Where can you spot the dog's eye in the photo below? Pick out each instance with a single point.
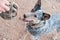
(35, 15)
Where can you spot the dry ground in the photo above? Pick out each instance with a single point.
(15, 30)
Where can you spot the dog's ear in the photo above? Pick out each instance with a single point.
(36, 7)
(45, 16)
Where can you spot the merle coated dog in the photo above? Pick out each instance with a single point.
(39, 23)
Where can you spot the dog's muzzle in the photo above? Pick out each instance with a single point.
(33, 23)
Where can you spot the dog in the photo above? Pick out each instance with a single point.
(38, 23)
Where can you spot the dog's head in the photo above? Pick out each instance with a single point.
(35, 18)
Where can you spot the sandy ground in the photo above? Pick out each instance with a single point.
(15, 29)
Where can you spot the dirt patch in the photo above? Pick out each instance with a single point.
(15, 29)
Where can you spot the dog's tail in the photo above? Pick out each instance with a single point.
(37, 6)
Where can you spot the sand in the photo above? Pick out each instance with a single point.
(15, 29)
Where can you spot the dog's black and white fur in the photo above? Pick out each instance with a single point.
(46, 23)
(44, 26)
